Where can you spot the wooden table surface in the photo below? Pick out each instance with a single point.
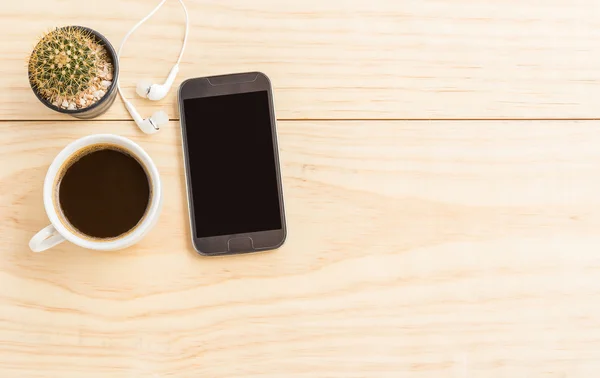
(439, 160)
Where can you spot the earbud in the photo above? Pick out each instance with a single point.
(148, 125)
(143, 88)
(156, 92)
(148, 90)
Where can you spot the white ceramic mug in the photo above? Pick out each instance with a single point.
(57, 231)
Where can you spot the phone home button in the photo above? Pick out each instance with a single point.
(243, 244)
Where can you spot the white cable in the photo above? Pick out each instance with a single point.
(138, 25)
(187, 28)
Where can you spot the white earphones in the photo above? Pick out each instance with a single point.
(146, 89)
(157, 92)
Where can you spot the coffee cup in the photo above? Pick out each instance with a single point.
(101, 192)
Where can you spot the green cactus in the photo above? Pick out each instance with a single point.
(64, 62)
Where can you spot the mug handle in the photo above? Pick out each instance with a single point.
(46, 238)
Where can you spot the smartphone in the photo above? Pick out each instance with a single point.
(234, 189)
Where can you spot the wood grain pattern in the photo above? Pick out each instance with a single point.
(344, 59)
(415, 249)
(420, 249)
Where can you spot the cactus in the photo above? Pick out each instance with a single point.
(64, 63)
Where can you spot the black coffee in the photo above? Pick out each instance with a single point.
(104, 193)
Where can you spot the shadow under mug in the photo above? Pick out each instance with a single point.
(58, 231)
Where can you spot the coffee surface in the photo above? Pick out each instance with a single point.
(104, 193)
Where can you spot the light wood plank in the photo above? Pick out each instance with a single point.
(422, 59)
(415, 249)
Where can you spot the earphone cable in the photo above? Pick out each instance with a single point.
(187, 28)
(138, 25)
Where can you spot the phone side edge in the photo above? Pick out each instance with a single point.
(184, 149)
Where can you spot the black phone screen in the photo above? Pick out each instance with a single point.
(231, 161)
